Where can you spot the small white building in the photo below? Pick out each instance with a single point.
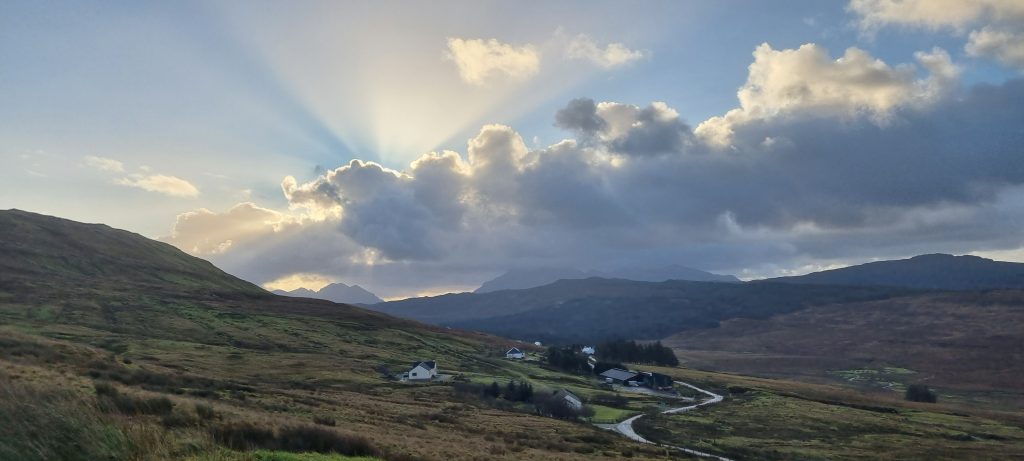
(422, 371)
(515, 353)
(588, 350)
(571, 400)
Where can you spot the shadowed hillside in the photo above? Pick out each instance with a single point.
(933, 272)
(595, 309)
(964, 340)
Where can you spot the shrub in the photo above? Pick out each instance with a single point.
(244, 436)
(920, 393)
(105, 389)
(134, 405)
(296, 438)
(38, 425)
(614, 401)
(205, 412)
(324, 420)
(179, 419)
(322, 440)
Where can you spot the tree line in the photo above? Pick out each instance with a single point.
(630, 351)
(513, 391)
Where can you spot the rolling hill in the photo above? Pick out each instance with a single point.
(964, 340)
(37, 249)
(595, 309)
(138, 347)
(535, 277)
(932, 272)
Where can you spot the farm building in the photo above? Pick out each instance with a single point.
(620, 376)
(422, 371)
(570, 399)
(515, 353)
(656, 381)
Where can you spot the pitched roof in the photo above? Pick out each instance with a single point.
(428, 365)
(563, 393)
(618, 374)
(514, 350)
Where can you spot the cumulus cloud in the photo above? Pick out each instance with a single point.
(611, 55)
(1005, 46)
(481, 61)
(104, 164)
(996, 26)
(807, 81)
(831, 159)
(379, 208)
(625, 128)
(204, 232)
(168, 185)
(934, 14)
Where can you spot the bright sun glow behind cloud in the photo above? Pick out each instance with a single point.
(369, 101)
(301, 280)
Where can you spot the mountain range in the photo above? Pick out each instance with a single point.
(519, 279)
(931, 271)
(336, 292)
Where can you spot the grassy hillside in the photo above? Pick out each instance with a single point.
(971, 342)
(595, 309)
(152, 354)
(38, 249)
(771, 419)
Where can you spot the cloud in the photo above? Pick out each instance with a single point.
(482, 61)
(104, 164)
(203, 232)
(626, 129)
(300, 280)
(1004, 46)
(610, 56)
(379, 208)
(996, 26)
(956, 15)
(833, 161)
(807, 81)
(168, 185)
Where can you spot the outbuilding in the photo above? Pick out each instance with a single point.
(422, 371)
(620, 376)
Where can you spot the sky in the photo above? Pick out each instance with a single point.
(418, 148)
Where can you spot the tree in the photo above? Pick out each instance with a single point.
(511, 391)
(920, 393)
(493, 391)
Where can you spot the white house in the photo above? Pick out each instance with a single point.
(570, 399)
(515, 353)
(422, 371)
(588, 350)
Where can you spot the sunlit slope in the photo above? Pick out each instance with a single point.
(36, 250)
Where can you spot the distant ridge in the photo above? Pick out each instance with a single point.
(336, 292)
(519, 279)
(931, 272)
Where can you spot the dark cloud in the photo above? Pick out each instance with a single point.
(580, 115)
(789, 192)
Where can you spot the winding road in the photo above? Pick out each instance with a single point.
(626, 427)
